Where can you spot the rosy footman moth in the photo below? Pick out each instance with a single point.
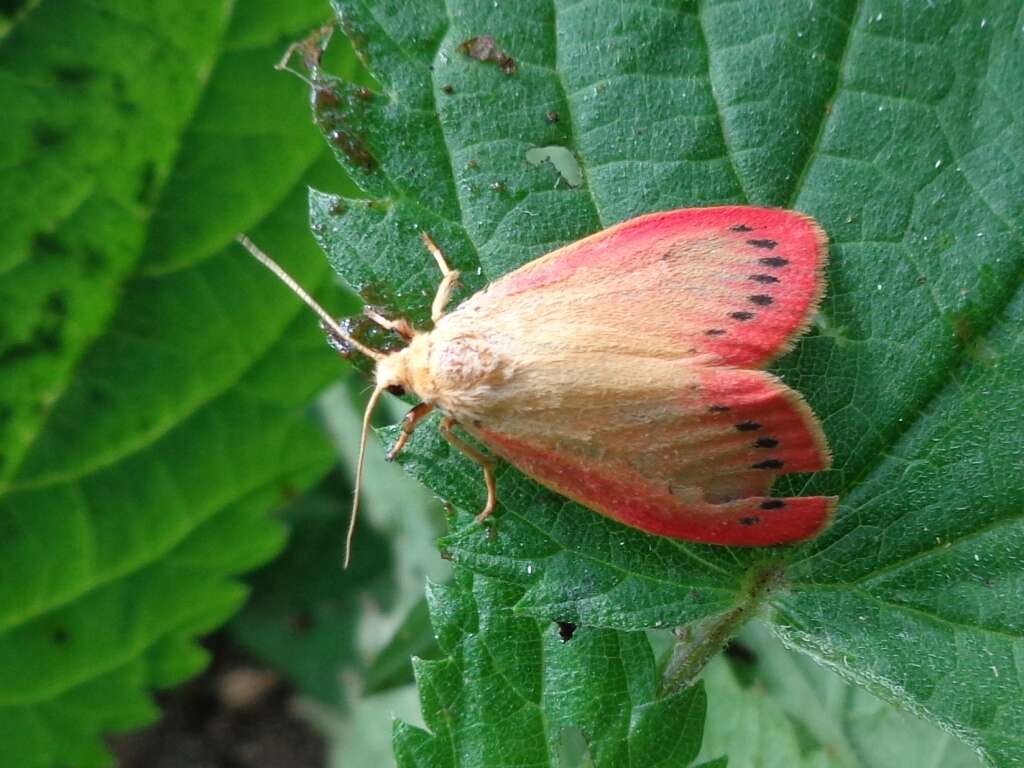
(624, 371)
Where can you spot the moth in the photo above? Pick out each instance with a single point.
(625, 372)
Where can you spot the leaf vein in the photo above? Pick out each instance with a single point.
(827, 103)
(723, 128)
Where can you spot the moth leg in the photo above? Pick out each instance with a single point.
(399, 325)
(449, 277)
(415, 415)
(472, 453)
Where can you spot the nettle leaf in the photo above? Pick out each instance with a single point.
(898, 126)
(800, 714)
(517, 691)
(155, 381)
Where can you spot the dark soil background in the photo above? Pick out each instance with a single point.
(235, 715)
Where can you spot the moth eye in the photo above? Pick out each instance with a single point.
(397, 390)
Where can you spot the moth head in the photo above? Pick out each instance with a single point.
(392, 372)
(408, 369)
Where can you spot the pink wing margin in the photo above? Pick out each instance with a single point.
(746, 280)
(754, 429)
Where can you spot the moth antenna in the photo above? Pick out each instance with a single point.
(359, 470)
(329, 322)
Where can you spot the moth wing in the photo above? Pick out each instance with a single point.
(631, 372)
(737, 283)
(681, 451)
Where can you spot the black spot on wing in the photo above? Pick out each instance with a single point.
(764, 279)
(773, 504)
(768, 464)
(752, 520)
(740, 228)
(744, 315)
(766, 442)
(714, 332)
(748, 426)
(761, 299)
(718, 408)
(774, 261)
(766, 244)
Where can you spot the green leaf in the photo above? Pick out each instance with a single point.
(795, 713)
(155, 381)
(512, 689)
(897, 125)
(300, 617)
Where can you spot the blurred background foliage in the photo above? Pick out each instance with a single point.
(159, 396)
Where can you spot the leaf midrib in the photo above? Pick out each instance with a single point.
(826, 114)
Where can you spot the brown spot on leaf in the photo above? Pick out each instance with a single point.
(324, 98)
(483, 48)
(340, 110)
(566, 629)
(352, 146)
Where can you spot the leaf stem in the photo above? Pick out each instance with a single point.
(698, 643)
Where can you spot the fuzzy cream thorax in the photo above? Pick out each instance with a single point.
(454, 368)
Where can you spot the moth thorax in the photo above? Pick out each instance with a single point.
(464, 362)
